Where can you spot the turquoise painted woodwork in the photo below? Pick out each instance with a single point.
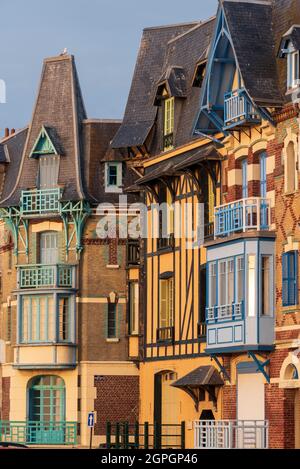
(39, 276)
(43, 145)
(40, 201)
(39, 433)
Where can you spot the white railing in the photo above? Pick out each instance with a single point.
(230, 312)
(252, 213)
(238, 107)
(231, 434)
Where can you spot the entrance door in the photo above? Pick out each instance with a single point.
(166, 409)
(250, 432)
(46, 410)
(48, 248)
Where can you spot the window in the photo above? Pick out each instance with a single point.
(226, 282)
(48, 171)
(266, 292)
(111, 321)
(44, 320)
(133, 308)
(289, 278)
(8, 323)
(165, 217)
(199, 74)
(113, 177)
(49, 247)
(290, 168)
(37, 319)
(213, 284)
(168, 123)
(166, 308)
(293, 73)
(240, 279)
(263, 175)
(251, 285)
(64, 319)
(244, 178)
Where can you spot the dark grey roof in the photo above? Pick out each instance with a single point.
(174, 80)
(165, 169)
(140, 113)
(14, 147)
(251, 29)
(3, 158)
(54, 137)
(208, 152)
(202, 376)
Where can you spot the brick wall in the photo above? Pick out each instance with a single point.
(280, 414)
(5, 408)
(229, 410)
(117, 400)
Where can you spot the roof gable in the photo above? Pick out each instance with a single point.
(45, 144)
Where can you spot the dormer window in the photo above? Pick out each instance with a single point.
(48, 171)
(113, 176)
(293, 72)
(199, 74)
(168, 123)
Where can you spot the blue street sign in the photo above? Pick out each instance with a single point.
(91, 420)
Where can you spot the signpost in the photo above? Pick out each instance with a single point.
(91, 424)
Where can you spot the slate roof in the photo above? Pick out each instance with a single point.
(14, 148)
(208, 152)
(140, 113)
(251, 30)
(202, 376)
(174, 80)
(60, 108)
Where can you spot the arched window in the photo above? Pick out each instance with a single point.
(290, 169)
(46, 399)
(291, 372)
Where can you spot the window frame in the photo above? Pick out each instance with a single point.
(133, 316)
(169, 299)
(288, 278)
(119, 176)
(48, 171)
(293, 67)
(113, 307)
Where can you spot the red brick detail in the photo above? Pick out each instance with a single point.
(279, 404)
(117, 400)
(253, 158)
(254, 188)
(234, 193)
(229, 411)
(113, 251)
(5, 408)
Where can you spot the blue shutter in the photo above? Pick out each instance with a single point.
(245, 178)
(290, 278)
(263, 175)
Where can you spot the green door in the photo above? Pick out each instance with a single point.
(46, 410)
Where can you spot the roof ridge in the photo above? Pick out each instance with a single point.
(202, 23)
(6, 139)
(258, 2)
(174, 25)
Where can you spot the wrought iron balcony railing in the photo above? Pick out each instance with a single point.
(238, 110)
(242, 215)
(231, 434)
(168, 142)
(231, 312)
(41, 276)
(39, 433)
(40, 201)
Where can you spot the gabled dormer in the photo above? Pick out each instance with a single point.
(289, 49)
(170, 88)
(240, 83)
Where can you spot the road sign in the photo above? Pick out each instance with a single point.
(91, 420)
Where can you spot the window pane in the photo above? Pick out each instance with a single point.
(213, 284)
(64, 319)
(266, 291)
(240, 279)
(48, 171)
(222, 283)
(111, 321)
(134, 307)
(251, 285)
(230, 269)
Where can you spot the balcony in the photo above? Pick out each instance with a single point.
(40, 201)
(46, 276)
(133, 252)
(168, 142)
(238, 110)
(47, 356)
(242, 215)
(231, 434)
(39, 433)
(232, 312)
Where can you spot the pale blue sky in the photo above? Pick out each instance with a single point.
(103, 35)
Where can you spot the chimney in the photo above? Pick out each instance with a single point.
(13, 131)
(6, 133)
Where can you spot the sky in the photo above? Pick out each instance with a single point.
(103, 35)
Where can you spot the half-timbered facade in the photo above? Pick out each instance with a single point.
(68, 347)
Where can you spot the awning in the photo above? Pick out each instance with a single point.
(167, 170)
(204, 377)
(206, 153)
